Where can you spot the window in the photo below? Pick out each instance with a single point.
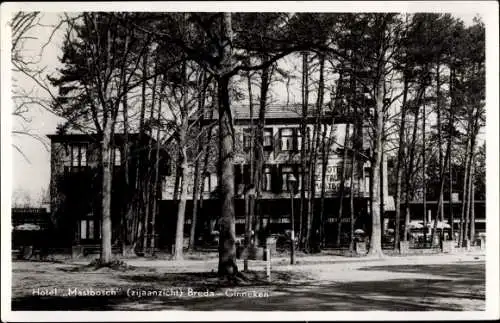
(247, 138)
(86, 229)
(213, 181)
(83, 229)
(286, 139)
(338, 173)
(76, 155)
(299, 178)
(268, 138)
(209, 182)
(266, 180)
(367, 178)
(117, 157)
(299, 140)
(206, 183)
(286, 174)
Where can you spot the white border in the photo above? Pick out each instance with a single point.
(489, 12)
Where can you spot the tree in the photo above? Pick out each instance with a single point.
(305, 142)
(96, 76)
(381, 45)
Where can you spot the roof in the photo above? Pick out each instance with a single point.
(274, 111)
(282, 113)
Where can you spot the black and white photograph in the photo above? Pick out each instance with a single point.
(250, 160)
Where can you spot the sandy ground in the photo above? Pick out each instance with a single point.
(320, 282)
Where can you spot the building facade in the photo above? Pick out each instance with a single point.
(282, 147)
(76, 183)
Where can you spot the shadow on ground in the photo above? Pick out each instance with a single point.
(464, 290)
(467, 270)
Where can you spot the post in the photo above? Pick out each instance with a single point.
(249, 195)
(291, 187)
(247, 235)
(268, 264)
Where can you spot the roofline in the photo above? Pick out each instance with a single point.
(90, 136)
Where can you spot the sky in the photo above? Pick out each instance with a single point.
(31, 172)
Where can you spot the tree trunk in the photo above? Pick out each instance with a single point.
(451, 219)
(382, 179)
(183, 133)
(259, 151)
(145, 226)
(181, 210)
(326, 156)
(376, 235)
(351, 201)
(197, 175)
(249, 204)
(204, 172)
(410, 174)
(305, 142)
(156, 182)
(150, 189)
(450, 170)
(437, 217)
(472, 214)
(316, 222)
(128, 237)
(313, 158)
(342, 184)
(143, 171)
(106, 162)
(248, 200)
(196, 193)
(464, 194)
(424, 168)
(324, 162)
(410, 170)
(440, 137)
(399, 166)
(227, 240)
(310, 197)
(178, 175)
(469, 189)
